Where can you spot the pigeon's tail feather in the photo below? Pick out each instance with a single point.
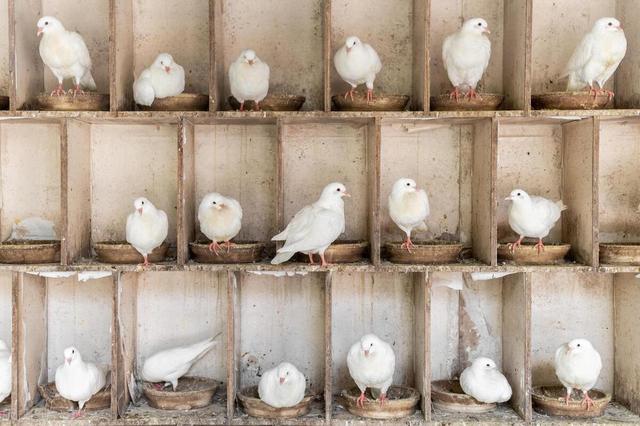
(422, 227)
(561, 205)
(87, 81)
(282, 257)
(574, 84)
(280, 237)
(201, 348)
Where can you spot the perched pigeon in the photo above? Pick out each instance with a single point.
(532, 216)
(282, 386)
(597, 57)
(578, 366)
(162, 79)
(357, 63)
(5, 371)
(371, 364)
(171, 364)
(483, 381)
(147, 227)
(220, 219)
(66, 55)
(408, 208)
(315, 227)
(465, 55)
(249, 79)
(77, 380)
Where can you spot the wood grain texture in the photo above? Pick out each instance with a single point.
(421, 350)
(122, 55)
(327, 54)
(27, 69)
(421, 17)
(627, 341)
(123, 340)
(233, 341)
(328, 346)
(514, 59)
(186, 220)
(374, 144)
(483, 189)
(627, 77)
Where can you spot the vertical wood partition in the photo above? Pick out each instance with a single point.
(627, 341)
(186, 189)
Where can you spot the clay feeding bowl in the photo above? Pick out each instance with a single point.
(620, 253)
(484, 102)
(4, 102)
(527, 254)
(341, 252)
(53, 400)
(447, 395)
(427, 252)
(379, 102)
(90, 101)
(271, 103)
(29, 252)
(124, 253)
(402, 402)
(191, 393)
(253, 406)
(549, 400)
(239, 252)
(181, 102)
(569, 100)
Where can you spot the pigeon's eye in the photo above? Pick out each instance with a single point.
(578, 344)
(47, 23)
(408, 184)
(479, 24)
(610, 23)
(518, 194)
(214, 203)
(142, 202)
(338, 189)
(488, 365)
(73, 352)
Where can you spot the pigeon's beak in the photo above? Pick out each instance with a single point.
(620, 27)
(282, 380)
(346, 194)
(67, 360)
(366, 352)
(251, 61)
(167, 69)
(139, 210)
(509, 198)
(40, 31)
(348, 49)
(486, 31)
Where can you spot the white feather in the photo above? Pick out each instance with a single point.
(483, 381)
(220, 217)
(578, 365)
(249, 81)
(359, 65)
(287, 393)
(5, 371)
(532, 216)
(466, 54)
(374, 370)
(408, 207)
(78, 380)
(147, 230)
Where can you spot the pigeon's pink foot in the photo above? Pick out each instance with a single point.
(609, 94)
(455, 94)
(77, 90)
(242, 106)
(587, 400)
(311, 262)
(539, 246)
(593, 91)
(77, 414)
(360, 400)
(407, 244)
(158, 386)
(369, 95)
(58, 91)
(146, 261)
(567, 397)
(256, 106)
(349, 93)
(472, 94)
(4, 413)
(214, 247)
(382, 399)
(323, 262)
(513, 246)
(228, 245)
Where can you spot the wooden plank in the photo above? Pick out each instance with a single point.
(76, 185)
(15, 343)
(627, 341)
(27, 70)
(420, 96)
(214, 93)
(421, 350)
(579, 189)
(328, 347)
(31, 337)
(124, 340)
(517, 31)
(121, 52)
(483, 222)
(374, 145)
(516, 341)
(626, 78)
(327, 54)
(186, 189)
(64, 192)
(528, 57)
(233, 341)
(11, 20)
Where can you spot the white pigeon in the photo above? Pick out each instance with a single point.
(465, 55)
(483, 381)
(5, 371)
(578, 366)
(596, 57)
(171, 364)
(220, 219)
(371, 364)
(282, 386)
(77, 380)
(162, 79)
(147, 227)
(66, 55)
(532, 216)
(408, 208)
(357, 63)
(249, 79)
(314, 228)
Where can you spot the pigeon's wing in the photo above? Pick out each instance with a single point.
(81, 49)
(316, 234)
(299, 223)
(446, 51)
(235, 205)
(96, 378)
(129, 227)
(164, 224)
(424, 198)
(546, 210)
(375, 59)
(580, 56)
